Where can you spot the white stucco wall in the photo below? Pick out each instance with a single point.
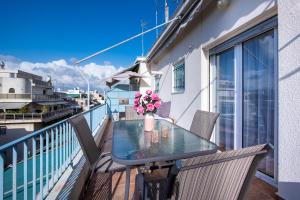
(210, 29)
(289, 99)
(145, 83)
(21, 85)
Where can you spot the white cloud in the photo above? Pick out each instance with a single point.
(63, 74)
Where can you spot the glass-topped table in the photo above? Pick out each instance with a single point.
(133, 146)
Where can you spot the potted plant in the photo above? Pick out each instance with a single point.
(147, 105)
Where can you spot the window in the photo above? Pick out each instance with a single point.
(11, 90)
(178, 77)
(156, 81)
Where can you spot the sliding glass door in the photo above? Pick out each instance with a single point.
(243, 88)
(225, 101)
(259, 95)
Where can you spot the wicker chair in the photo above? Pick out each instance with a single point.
(218, 176)
(101, 165)
(203, 123)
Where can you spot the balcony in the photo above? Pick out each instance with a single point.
(8, 97)
(34, 117)
(52, 165)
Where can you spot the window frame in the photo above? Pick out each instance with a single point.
(236, 42)
(175, 66)
(156, 82)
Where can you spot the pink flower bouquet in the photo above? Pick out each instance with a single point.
(149, 103)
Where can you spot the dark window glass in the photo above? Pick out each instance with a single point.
(179, 77)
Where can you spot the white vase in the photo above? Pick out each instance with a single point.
(149, 122)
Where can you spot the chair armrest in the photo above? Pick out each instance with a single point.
(169, 119)
(172, 120)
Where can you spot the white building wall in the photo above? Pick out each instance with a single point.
(213, 27)
(289, 98)
(145, 83)
(21, 85)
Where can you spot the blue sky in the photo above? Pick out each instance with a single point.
(43, 31)
(44, 36)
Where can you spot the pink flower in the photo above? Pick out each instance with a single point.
(136, 101)
(135, 106)
(138, 95)
(140, 109)
(157, 104)
(146, 98)
(155, 97)
(150, 107)
(149, 92)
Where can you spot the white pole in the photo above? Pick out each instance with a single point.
(156, 17)
(124, 41)
(88, 86)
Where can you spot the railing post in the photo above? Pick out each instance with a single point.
(56, 153)
(1, 176)
(47, 162)
(60, 150)
(25, 155)
(41, 166)
(91, 119)
(64, 146)
(14, 176)
(52, 158)
(33, 168)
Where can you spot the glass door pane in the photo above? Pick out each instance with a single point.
(258, 95)
(225, 102)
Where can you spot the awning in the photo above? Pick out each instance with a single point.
(12, 105)
(195, 11)
(124, 75)
(127, 75)
(51, 103)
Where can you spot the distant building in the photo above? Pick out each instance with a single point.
(27, 102)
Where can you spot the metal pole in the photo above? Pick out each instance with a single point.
(124, 41)
(88, 86)
(156, 17)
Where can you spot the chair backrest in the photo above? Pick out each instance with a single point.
(85, 138)
(203, 123)
(131, 114)
(223, 175)
(164, 109)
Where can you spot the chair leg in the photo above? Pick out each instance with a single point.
(127, 184)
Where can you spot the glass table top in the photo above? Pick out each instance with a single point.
(131, 145)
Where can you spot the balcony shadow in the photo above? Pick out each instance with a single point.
(68, 188)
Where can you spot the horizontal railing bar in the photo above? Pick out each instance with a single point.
(41, 131)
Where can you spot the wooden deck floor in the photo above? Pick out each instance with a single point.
(259, 190)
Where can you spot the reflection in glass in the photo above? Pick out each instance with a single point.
(225, 99)
(258, 95)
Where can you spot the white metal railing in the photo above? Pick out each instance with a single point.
(30, 166)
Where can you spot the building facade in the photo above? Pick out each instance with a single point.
(241, 59)
(27, 103)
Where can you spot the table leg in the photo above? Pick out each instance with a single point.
(127, 184)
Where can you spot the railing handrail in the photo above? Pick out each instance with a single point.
(38, 132)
